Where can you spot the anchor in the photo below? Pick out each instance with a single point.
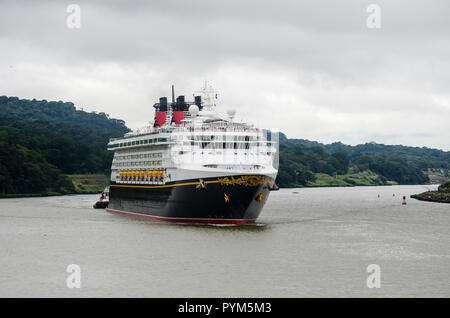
(201, 185)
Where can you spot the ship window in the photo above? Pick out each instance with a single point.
(145, 141)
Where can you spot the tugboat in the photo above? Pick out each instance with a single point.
(192, 165)
(104, 200)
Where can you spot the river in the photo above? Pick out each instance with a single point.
(312, 242)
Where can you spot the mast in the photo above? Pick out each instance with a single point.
(173, 94)
(208, 97)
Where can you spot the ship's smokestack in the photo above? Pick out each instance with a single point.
(198, 102)
(178, 110)
(163, 103)
(160, 112)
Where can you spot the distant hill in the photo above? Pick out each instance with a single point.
(40, 141)
(424, 157)
(303, 161)
(57, 113)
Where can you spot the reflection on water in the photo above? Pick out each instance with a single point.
(314, 242)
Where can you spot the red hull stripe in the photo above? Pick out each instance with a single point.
(186, 220)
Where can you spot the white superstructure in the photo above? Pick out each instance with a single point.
(201, 145)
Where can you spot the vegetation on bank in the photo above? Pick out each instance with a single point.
(89, 183)
(41, 143)
(49, 148)
(80, 184)
(441, 195)
(306, 163)
(352, 178)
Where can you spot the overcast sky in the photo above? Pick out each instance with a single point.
(313, 69)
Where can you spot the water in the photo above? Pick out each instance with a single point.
(317, 242)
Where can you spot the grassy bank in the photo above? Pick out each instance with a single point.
(364, 178)
(441, 195)
(83, 184)
(89, 183)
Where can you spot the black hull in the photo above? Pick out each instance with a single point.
(225, 200)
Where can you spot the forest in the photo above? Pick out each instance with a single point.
(301, 160)
(41, 142)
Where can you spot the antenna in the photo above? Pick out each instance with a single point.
(173, 94)
(208, 96)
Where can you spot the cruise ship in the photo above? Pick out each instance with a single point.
(193, 165)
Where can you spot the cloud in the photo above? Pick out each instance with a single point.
(312, 69)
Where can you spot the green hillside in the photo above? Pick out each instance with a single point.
(309, 163)
(42, 142)
(49, 147)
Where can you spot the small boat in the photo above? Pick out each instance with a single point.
(104, 200)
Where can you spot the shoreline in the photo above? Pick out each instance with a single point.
(441, 195)
(41, 195)
(432, 196)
